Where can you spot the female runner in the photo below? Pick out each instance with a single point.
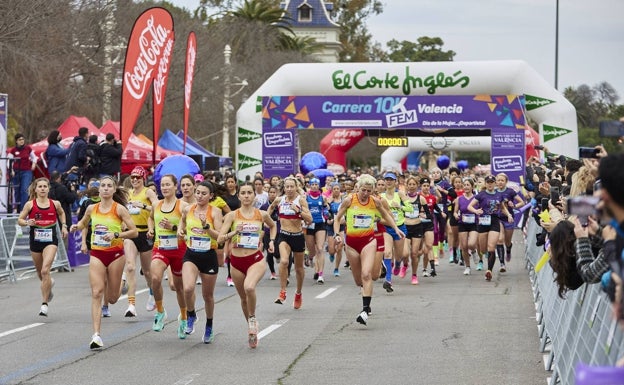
(107, 259)
(467, 223)
(243, 228)
(40, 213)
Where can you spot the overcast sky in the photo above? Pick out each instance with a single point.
(591, 33)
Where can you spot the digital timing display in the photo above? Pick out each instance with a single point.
(392, 142)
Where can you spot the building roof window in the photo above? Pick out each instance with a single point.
(304, 13)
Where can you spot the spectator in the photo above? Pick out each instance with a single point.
(92, 169)
(66, 195)
(77, 156)
(55, 153)
(110, 156)
(24, 163)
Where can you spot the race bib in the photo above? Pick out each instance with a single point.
(441, 206)
(468, 219)
(287, 209)
(395, 216)
(412, 215)
(43, 235)
(134, 210)
(248, 240)
(200, 243)
(168, 242)
(485, 220)
(98, 239)
(362, 221)
(311, 226)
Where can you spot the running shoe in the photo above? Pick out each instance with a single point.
(508, 256)
(315, 277)
(159, 321)
(480, 266)
(43, 310)
(105, 312)
(402, 271)
(475, 256)
(297, 302)
(320, 280)
(503, 268)
(273, 277)
(182, 325)
(437, 262)
(347, 264)
(50, 294)
(467, 271)
(414, 279)
(451, 259)
(96, 342)
(336, 273)
(397, 269)
(425, 273)
(229, 282)
(190, 324)
(331, 258)
(208, 336)
(362, 317)
(488, 275)
(388, 286)
(253, 332)
(151, 303)
(382, 274)
(198, 281)
(461, 262)
(433, 273)
(281, 298)
(131, 311)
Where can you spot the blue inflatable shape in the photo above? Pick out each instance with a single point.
(443, 162)
(178, 165)
(322, 174)
(462, 165)
(312, 161)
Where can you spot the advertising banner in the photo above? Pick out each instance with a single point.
(4, 178)
(160, 89)
(150, 35)
(191, 52)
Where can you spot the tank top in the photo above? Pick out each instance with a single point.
(316, 206)
(397, 212)
(45, 222)
(199, 239)
(102, 223)
(361, 217)
(138, 214)
(166, 239)
(251, 234)
(285, 209)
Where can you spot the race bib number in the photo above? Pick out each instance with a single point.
(98, 239)
(395, 216)
(134, 210)
(248, 240)
(441, 206)
(43, 235)
(168, 242)
(362, 221)
(468, 219)
(485, 220)
(200, 243)
(412, 215)
(287, 209)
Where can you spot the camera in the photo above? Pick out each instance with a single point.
(583, 207)
(588, 152)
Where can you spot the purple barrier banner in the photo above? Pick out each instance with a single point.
(393, 112)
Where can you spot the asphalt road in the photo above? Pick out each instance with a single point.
(451, 329)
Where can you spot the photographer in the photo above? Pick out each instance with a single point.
(110, 156)
(65, 193)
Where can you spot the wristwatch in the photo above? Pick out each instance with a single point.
(206, 226)
(174, 228)
(116, 234)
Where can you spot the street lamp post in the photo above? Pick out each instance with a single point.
(225, 144)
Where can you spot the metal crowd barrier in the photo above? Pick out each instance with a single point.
(577, 329)
(15, 251)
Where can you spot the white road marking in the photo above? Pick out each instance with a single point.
(327, 292)
(265, 332)
(8, 332)
(186, 379)
(125, 296)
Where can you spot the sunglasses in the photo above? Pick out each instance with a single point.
(136, 177)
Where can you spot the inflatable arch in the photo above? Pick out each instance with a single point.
(267, 121)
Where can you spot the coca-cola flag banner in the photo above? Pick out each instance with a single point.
(150, 34)
(191, 51)
(160, 88)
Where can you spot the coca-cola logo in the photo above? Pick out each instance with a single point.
(190, 60)
(163, 68)
(150, 43)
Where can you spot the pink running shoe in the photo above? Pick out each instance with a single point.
(414, 280)
(403, 271)
(396, 269)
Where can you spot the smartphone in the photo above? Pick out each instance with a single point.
(554, 194)
(544, 204)
(583, 206)
(588, 152)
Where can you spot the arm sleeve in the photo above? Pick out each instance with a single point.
(591, 269)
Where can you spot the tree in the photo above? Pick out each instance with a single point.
(351, 15)
(424, 49)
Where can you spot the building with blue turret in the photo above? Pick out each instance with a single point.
(311, 18)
